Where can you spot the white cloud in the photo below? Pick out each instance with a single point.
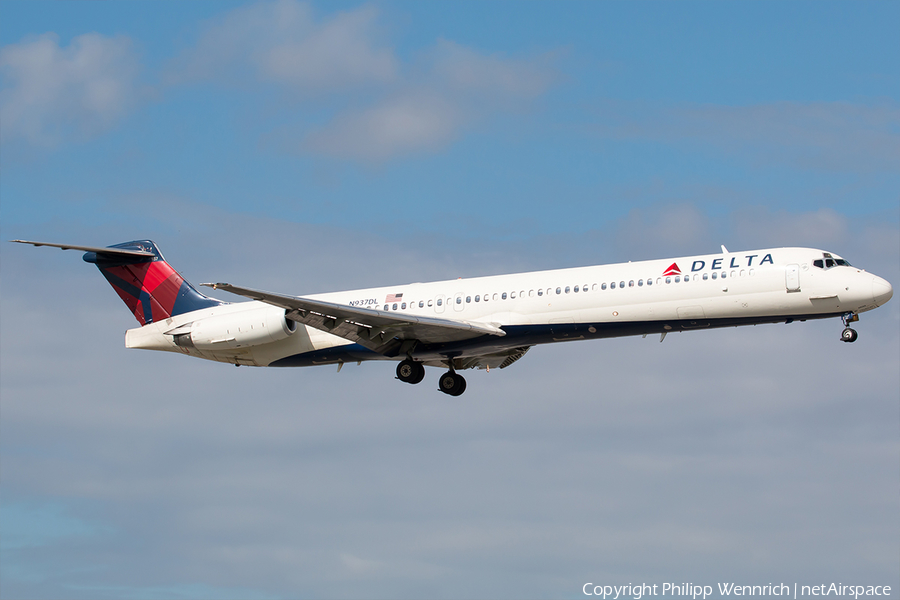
(394, 109)
(282, 43)
(453, 89)
(463, 69)
(838, 136)
(401, 125)
(51, 92)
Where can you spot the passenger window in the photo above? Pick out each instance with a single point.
(403, 306)
(594, 288)
(559, 291)
(394, 307)
(521, 293)
(387, 308)
(631, 283)
(568, 289)
(512, 295)
(531, 293)
(621, 284)
(714, 275)
(649, 282)
(724, 274)
(440, 302)
(459, 299)
(495, 296)
(602, 286)
(668, 280)
(677, 279)
(503, 296)
(576, 289)
(742, 272)
(705, 276)
(612, 285)
(477, 298)
(733, 273)
(421, 304)
(640, 283)
(751, 272)
(429, 302)
(540, 292)
(584, 288)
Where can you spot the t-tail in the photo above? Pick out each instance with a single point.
(149, 286)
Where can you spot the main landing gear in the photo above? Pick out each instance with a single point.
(849, 335)
(410, 371)
(452, 383)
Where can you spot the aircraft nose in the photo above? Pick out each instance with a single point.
(881, 291)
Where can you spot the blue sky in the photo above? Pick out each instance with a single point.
(314, 147)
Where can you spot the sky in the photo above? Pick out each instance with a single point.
(314, 147)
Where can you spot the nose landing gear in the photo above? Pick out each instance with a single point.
(849, 334)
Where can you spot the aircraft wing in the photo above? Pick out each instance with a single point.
(384, 332)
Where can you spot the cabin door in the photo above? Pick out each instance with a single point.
(792, 278)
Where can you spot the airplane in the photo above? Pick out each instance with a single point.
(483, 322)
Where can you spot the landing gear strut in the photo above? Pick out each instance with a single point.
(410, 371)
(849, 335)
(452, 383)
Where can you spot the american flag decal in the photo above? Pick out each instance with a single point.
(393, 298)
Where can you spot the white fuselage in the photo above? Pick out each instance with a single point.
(643, 297)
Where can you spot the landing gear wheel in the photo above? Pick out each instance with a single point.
(410, 371)
(451, 383)
(849, 335)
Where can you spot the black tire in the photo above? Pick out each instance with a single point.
(409, 371)
(420, 373)
(452, 384)
(849, 335)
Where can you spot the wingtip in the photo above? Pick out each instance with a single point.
(214, 286)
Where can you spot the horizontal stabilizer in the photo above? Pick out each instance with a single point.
(97, 249)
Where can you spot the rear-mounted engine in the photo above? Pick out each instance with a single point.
(239, 330)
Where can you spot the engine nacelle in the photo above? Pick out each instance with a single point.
(238, 330)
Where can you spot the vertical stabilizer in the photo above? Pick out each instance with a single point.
(149, 286)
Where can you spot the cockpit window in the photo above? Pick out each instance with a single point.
(830, 261)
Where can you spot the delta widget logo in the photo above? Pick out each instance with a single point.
(672, 270)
